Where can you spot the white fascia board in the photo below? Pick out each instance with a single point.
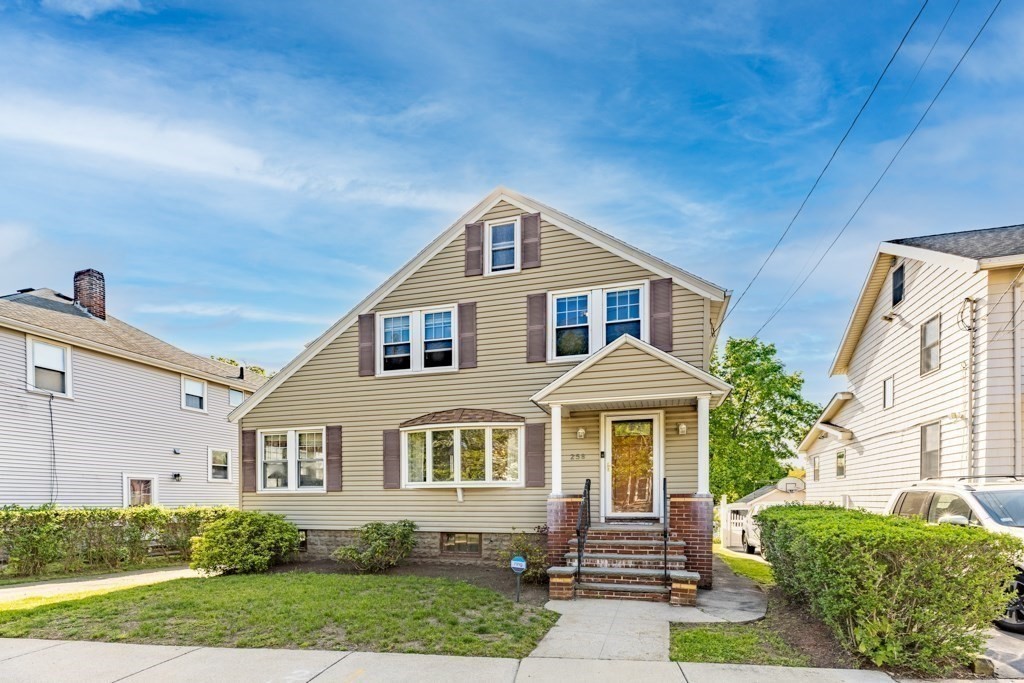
(1002, 261)
(967, 265)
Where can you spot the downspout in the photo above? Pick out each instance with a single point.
(1018, 464)
(972, 330)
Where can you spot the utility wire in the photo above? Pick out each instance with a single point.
(1009, 322)
(930, 50)
(1007, 290)
(823, 170)
(884, 171)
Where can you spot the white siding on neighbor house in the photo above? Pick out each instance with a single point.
(884, 452)
(124, 418)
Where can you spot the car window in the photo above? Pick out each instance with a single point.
(914, 504)
(947, 504)
(1005, 507)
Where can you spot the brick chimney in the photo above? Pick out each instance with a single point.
(91, 292)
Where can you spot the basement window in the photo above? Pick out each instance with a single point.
(456, 543)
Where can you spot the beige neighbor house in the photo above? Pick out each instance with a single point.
(518, 355)
(94, 412)
(932, 356)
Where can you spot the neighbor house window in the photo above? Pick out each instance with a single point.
(816, 468)
(460, 544)
(930, 334)
(235, 397)
(897, 285)
(417, 341)
(931, 449)
(584, 321)
(49, 367)
(193, 394)
(292, 459)
(480, 455)
(887, 392)
(840, 464)
(502, 253)
(220, 464)
(139, 490)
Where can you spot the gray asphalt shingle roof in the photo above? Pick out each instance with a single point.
(50, 310)
(754, 495)
(975, 244)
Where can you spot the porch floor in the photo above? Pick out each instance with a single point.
(628, 629)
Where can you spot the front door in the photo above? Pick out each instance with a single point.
(632, 477)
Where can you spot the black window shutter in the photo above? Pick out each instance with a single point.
(367, 345)
(467, 334)
(536, 328)
(392, 459)
(536, 461)
(249, 460)
(474, 249)
(530, 236)
(661, 314)
(334, 458)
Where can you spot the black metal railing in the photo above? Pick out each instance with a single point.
(664, 528)
(582, 527)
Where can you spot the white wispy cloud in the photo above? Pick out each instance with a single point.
(15, 238)
(87, 9)
(218, 310)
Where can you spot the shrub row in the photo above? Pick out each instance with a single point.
(901, 592)
(36, 538)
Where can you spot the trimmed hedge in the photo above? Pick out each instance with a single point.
(903, 593)
(36, 538)
(244, 542)
(380, 547)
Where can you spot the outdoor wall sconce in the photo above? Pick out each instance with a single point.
(176, 451)
(681, 428)
(176, 476)
(581, 433)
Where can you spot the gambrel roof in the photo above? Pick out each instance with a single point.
(576, 227)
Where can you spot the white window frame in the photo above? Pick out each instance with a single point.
(938, 345)
(235, 391)
(841, 453)
(293, 460)
(888, 392)
(815, 468)
(30, 370)
(206, 395)
(209, 466)
(516, 245)
(597, 315)
(892, 285)
(938, 450)
(416, 341)
(126, 495)
(456, 483)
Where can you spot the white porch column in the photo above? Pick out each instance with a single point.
(556, 450)
(703, 450)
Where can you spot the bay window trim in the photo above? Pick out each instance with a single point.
(516, 249)
(30, 370)
(488, 482)
(417, 343)
(597, 304)
(292, 453)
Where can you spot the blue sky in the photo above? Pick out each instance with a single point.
(244, 172)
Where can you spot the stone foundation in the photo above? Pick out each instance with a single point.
(690, 520)
(320, 543)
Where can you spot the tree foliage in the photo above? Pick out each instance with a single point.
(755, 430)
(254, 369)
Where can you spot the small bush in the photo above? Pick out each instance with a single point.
(533, 550)
(900, 592)
(32, 538)
(380, 546)
(244, 542)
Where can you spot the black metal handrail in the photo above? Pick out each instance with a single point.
(664, 529)
(582, 527)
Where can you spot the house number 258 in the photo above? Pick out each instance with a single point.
(577, 456)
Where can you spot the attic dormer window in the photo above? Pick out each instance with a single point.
(897, 285)
(502, 238)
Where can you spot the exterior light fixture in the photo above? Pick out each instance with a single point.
(176, 476)
(176, 451)
(681, 428)
(581, 433)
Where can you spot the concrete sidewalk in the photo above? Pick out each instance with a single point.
(48, 661)
(88, 584)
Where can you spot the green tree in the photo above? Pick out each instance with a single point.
(759, 424)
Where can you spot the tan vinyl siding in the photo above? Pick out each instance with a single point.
(124, 418)
(328, 390)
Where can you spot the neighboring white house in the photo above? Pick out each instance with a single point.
(94, 412)
(932, 355)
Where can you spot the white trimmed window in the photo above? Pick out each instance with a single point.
(931, 334)
(219, 460)
(139, 490)
(888, 395)
(193, 394)
(501, 246)
(49, 367)
(292, 460)
(417, 341)
(840, 464)
(816, 468)
(581, 322)
(468, 455)
(931, 450)
(235, 397)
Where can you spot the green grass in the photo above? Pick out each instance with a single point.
(752, 569)
(297, 610)
(732, 644)
(152, 563)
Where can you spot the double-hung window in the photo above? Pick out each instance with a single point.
(582, 322)
(840, 464)
(468, 455)
(930, 339)
(931, 450)
(502, 239)
(898, 282)
(220, 464)
(292, 460)
(193, 394)
(235, 397)
(49, 367)
(417, 341)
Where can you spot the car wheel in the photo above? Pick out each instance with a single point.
(1013, 621)
(749, 548)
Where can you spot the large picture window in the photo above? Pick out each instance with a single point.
(292, 460)
(417, 341)
(582, 322)
(467, 455)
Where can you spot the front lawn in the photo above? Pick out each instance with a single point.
(756, 570)
(298, 610)
(733, 643)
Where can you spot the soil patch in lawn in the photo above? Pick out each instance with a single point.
(501, 581)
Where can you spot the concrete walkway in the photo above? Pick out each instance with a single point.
(45, 589)
(45, 661)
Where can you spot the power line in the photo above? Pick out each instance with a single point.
(1009, 322)
(827, 165)
(930, 50)
(884, 171)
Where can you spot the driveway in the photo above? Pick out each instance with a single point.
(1007, 650)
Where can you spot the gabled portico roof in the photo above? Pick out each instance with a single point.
(628, 374)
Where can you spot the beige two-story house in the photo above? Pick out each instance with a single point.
(932, 357)
(519, 355)
(97, 413)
